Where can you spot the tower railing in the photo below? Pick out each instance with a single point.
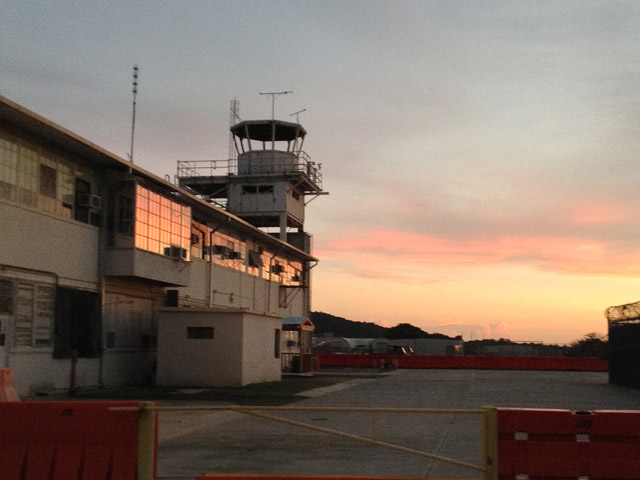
(294, 164)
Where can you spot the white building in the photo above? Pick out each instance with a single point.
(112, 276)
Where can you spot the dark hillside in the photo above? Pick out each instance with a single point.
(341, 327)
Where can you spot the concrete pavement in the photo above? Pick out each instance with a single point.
(193, 443)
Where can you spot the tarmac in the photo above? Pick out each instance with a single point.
(193, 443)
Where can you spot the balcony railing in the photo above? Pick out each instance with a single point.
(258, 162)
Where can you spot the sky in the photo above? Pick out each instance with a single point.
(481, 157)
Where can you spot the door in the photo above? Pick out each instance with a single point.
(4, 340)
(6, 310)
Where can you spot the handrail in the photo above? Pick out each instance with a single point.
(201, 168)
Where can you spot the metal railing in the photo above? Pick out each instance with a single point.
(291, 164)
(487, 467)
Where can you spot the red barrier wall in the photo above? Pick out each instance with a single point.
(222, 476)
(462, 361)
(7, 392)
(561, 444)
(68, 440)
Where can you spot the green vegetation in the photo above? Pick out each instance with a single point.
(290, 389)
(592, 345)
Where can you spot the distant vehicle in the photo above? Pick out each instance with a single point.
(400, 350)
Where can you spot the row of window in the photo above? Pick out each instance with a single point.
(34, 176)
(165, 227)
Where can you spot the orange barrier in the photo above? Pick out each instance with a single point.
(471, 362)
(64, 440)
(561, 444)
(7, 392)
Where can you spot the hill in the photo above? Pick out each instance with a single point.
(341, 327)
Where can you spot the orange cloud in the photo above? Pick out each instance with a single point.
(392, 252)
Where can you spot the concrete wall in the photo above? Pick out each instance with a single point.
(241, 352)
(40, 241)
(236, 289)
(37, 373)
(258, 351)
(133, 262)
(188, 362)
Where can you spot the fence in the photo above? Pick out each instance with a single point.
(461, 362)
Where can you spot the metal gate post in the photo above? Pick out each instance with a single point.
(146, 469)
(489, 443)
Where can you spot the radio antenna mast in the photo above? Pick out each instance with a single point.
(133, 119)
(274, 95)
(234, 117)
(297, 114)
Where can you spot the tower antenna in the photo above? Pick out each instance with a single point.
(297, 114)
(234, 117)
(133, 119)
(274, 95)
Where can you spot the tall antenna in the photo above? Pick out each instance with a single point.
(274, 95)
(234, 117)
(133, 119)
(297, 114)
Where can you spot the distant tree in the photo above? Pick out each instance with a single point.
(591, 345)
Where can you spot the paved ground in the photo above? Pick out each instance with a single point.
(194, 443)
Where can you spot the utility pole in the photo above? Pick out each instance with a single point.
(133, 119)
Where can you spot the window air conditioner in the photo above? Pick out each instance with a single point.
(175, 252)
(89, 200)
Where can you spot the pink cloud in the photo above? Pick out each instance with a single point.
(594, 213)
(390, 250)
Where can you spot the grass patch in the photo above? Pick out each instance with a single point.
(289, 390)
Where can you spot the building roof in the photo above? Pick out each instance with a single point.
(295, 323)
(21, 119)
(268, 130)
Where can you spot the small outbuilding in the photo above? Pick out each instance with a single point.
(297, 345)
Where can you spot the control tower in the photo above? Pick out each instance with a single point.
(267, 184)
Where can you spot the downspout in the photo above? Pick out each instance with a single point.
(210, 279)
(307, 296)
(270, 275)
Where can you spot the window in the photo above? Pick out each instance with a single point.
(276, 345)
(161, 225)
(47, 181)
(81, 211)
(251, 189)
(125, 215)
(34, 315)
(6, 296)
(200, 333)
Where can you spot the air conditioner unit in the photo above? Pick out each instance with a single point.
(277, 269)
(220, 250)
(89, 200)
(175, 252)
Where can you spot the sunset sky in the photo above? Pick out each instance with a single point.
(482, 157)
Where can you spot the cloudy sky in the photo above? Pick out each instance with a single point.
(481, 156)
